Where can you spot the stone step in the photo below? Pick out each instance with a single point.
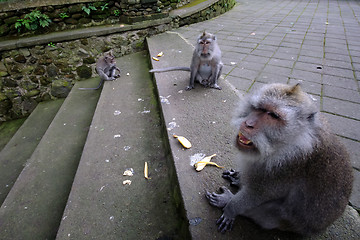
(203, 115)
(8, 129)
(125, 133)
(23, 143)
(35, 204)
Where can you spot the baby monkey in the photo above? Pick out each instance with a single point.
(206, 65)
(106, 68)
(294, 175)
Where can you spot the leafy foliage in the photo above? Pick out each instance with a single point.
(105, 6)
(88, 9)
(63, 15)
(116, 12)
(33, 21)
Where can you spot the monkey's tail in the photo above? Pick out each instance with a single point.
(95, 88)
(171, 69)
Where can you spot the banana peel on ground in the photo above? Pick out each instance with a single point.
(205, 161)
(186, 143)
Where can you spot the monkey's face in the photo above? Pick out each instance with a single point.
(275, 118)
(110, 59)
(258, 128)
(205, 45)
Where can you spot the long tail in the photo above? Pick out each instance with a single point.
(171, 69)
(95, 88)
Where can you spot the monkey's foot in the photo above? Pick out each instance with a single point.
(215, 86)
(219, 200)
(233, 176)
(225, 223)
(188, 88)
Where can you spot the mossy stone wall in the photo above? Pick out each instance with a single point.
(72, 14)
(43, 72)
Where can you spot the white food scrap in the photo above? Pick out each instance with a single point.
(127, 182)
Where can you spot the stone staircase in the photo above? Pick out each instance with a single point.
(61, 175)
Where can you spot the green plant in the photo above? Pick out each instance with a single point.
(88, 9)
(33, 20)
(103, 7)
(51, 44)
(116, 12)
(63, 15)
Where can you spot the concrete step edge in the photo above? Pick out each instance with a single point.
(34, 206)
(20, 147)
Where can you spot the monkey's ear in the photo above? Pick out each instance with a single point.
(204, 34)
(294, 90)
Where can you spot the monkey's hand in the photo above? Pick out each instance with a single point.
(233, 176)
(225, 223)
(219, 200)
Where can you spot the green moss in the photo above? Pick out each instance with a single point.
(2, 97)
(32, 93)
(193, 3)
(8, 129)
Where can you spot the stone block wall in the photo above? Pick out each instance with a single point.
(72, 14)
(39, 73)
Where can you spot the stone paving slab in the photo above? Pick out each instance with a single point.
(315, 42)
(203, 115)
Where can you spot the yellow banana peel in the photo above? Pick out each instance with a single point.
(205, 161)
(186, 143)
(146, 171)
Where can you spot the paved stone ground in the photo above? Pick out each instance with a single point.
(314, 42)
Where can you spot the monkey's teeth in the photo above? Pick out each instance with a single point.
(243, 139)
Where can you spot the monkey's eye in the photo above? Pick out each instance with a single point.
(273, 115)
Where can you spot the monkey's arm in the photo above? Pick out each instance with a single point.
(194, 68)
(232, 205)
(215, 73)
(114, 69)
(251, 203)
(170, 69)
(104, 76)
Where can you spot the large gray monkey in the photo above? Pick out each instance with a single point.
(205, 65)
(106, 68)
(294, 175)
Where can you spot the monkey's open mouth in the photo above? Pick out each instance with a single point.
(243, 141)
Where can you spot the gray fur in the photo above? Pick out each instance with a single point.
(106, 68)
(206, 65)
(295, 175)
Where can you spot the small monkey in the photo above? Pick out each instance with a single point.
(294, 175)
(206, 65)
(106, 68)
